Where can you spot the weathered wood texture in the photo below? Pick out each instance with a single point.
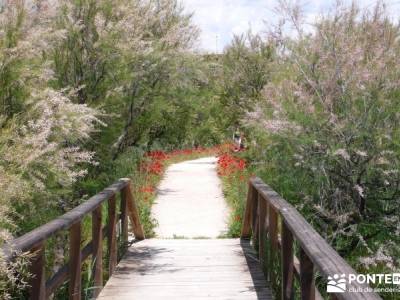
(112, 236)
(37, 269)
(35, 240)
(315, 252)
(188, 269)
(133, 212)
(75, 261)
(97, 253)
(42, 233)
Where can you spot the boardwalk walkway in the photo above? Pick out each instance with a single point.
(188, 269)
(190, 204)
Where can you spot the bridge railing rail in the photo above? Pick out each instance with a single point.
(275, 225)
(34, 242)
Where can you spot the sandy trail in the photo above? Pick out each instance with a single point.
(190, 202)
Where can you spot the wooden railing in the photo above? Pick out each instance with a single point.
(34, 242)
(269, 218)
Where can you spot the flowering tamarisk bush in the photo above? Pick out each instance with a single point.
(330, 118)
(41, 130)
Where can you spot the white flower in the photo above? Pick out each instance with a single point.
(343, 153)
(359, 190)
(361, 153)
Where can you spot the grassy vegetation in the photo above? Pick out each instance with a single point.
(234, 176)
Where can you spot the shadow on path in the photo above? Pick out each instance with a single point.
(261, 286)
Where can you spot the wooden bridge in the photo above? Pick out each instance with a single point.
(279, 255)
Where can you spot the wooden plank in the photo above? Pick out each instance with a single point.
(97, 251)
(62, 274)
(262, 208)
(112, 236)
(307, 282)
(75, 261)
(124, 223)
(188, 269)
(254, 215)
(161, 292)
(36, 269)
(287, 259)
(247, 219)
(273, 240)
(133, 212)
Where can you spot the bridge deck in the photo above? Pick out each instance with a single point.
(188, 269)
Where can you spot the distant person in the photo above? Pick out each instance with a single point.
(237, 139)
(242, 145)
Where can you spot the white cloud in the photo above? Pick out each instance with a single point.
(220, 19)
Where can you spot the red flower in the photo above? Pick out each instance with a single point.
(147, 189)
(157, 155)
(229, 164)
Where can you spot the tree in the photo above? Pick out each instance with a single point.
(330, 115)
(246, 71)
(41, 130)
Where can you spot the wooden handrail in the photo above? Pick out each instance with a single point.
(264, 210)
(34, 242)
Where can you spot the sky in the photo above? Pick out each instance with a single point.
(219, 20)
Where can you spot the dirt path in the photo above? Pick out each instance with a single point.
(190, 202)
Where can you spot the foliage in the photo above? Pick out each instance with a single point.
(245, 71)
(234, 175)
(327, 130)
(41, 129)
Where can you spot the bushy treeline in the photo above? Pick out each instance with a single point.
(325, 125)
(86, 86)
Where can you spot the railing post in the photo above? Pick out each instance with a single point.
(133, 211)
(75, 261)
(273, 240)
(112, 239)
(307, 282)
(97, 254)
(262, 207)
(124, 222)
(287, 258)
(37, 281)
(247, 220)
(254, 214)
